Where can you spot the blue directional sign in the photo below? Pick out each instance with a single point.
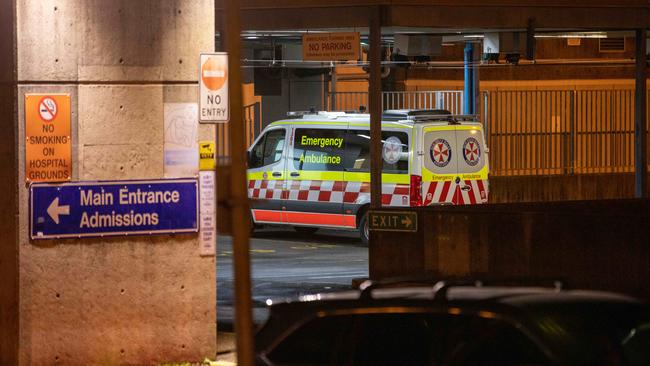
(81, 209)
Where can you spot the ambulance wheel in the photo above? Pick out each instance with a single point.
(253, 227)
(364, 230)
(305, 229)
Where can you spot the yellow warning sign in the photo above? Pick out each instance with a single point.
(48, 146)
(206, 155)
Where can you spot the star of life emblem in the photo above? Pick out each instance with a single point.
(440, 153)
(471, 151)
(392, 150)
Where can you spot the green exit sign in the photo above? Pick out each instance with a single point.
(393, 221)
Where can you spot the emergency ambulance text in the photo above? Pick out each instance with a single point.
(321, 141)
(320, 159)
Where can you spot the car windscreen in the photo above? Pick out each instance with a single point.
(598, 333)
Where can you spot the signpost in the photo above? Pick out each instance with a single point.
(47, 138)
(81, 209)
(393, 221)
(213, 88)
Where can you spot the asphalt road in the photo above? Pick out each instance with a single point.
(287, 264)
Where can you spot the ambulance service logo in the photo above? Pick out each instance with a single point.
(392, 150)
(471, 151)
(440, 153)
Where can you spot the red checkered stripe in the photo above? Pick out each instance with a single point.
(449, 191)
(265, 189)
(327, 191)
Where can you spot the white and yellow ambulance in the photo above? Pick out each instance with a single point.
(312, 170)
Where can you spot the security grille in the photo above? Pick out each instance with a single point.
(611, 44)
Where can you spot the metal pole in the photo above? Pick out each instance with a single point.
(476, 81)
(218, 137)
(375, 108)
(238, 190)
(640, 110)
(486, 119)
(468, 103)
(333, 82)
(572, 133)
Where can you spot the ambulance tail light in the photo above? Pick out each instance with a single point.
(416, 190)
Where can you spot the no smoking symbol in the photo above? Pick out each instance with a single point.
(47, 109)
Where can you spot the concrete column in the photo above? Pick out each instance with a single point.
(8, 187)
(119, 300)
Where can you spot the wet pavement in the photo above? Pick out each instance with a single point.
(287, 264)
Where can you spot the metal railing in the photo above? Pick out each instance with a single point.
(451, 100)
(529, 132)
(253, 126)
(544, 132)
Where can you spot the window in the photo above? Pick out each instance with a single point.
(395, 150)
(375, 339)
(475, 341)
(318, 149)
(268, 149)
(318, 342)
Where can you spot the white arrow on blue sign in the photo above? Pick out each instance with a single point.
(82, 209)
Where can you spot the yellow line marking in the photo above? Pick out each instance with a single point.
(227, 253)
(313, 246)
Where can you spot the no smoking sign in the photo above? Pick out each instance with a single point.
(48, 145)
(47, 109)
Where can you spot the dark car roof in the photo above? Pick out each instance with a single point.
(541, 311)
(515, 297)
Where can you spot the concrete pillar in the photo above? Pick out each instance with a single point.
(8, 188)
(120, 300)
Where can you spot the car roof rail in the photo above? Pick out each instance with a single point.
(441, 287)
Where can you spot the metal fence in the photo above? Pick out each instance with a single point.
(543, 132)
(529, 132)
(451, 100)
(252, 124)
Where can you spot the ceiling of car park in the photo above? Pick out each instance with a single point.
(446, 14)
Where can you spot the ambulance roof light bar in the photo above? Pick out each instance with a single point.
(413, 114)
(324, 114)
(451, 118)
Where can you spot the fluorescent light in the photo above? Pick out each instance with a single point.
(572, 35)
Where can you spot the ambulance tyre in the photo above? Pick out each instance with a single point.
(253, 227)
(364, 232)
(305, 229)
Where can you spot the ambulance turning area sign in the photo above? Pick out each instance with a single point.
(113, 208)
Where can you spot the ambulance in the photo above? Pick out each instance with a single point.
(312, 170)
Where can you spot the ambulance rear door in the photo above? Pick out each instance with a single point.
(472, 165)
(440, 164)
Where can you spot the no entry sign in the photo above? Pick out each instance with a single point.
(48, 146)
(213, 87)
